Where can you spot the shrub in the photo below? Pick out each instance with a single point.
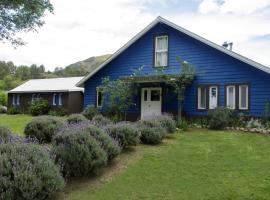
(126, 134)
(219, 118)
(43, 128)
(78, 153)
(39, 107)
(167, 122)
(182, 124)
(76, 118)
(90, 112)
(3, 109)
(14, 111)
(110, 145)
(152, 135)
(58, 112)
(27, 173)
(3, 98)
(101, 121)
(152, 131)
(4, 133)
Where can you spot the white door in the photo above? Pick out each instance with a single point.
(150, 102)
(213, 97)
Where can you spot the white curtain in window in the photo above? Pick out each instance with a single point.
(202, 98)
(243, 97)
(161, 51)
(162, 44)
(13, 100)
(161, 59)
(60, 102)
(54, 99)
(18, 99)
(231, 97)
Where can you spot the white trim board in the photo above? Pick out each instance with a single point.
(193, 35)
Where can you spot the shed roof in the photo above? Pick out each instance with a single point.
(49, 85)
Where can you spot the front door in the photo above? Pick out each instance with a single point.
(150, 102)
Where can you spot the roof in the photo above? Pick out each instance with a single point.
(193, 35)
(49, 85)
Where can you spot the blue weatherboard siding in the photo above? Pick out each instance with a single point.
(212, 66)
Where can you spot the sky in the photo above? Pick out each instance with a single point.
(79, 29)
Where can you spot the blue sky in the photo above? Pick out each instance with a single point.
(83, 28)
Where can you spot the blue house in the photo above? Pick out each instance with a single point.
(224, 78)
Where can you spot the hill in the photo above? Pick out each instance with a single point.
(82, 68)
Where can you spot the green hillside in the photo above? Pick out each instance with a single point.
(82, 67)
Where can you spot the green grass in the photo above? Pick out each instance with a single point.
(15, 122)
(197, 165)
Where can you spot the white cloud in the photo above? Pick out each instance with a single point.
(232, 6)
(80, 29)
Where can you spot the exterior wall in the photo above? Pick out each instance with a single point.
(212, 66)
(75, 102)
(68, 101)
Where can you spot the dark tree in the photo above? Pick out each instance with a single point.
(18, 16)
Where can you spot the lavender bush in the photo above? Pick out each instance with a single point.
(101, 121)
(152, 131)
(43, 128)
(127, 134)
(27, 172)
(76, 118)
(108, 144)
(77, 152)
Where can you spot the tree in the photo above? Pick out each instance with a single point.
(119, 95)
(18, 16)
(180, 82)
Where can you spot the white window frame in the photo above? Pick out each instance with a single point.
(54, 99)
(240, 97)
(98, 90)
(234, 97)
(199, 98)
(14, 99)
(60, 99)
(18, 100)
(161, 51)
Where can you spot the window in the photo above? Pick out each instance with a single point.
(155, 95)
(18, 100)
(54, 99)
(38, 97)
(99, 97)
(161, 51)
(15, 99)
(202, 94)
(60, 100)
(237, 96)
(230, 99)
(243, 97)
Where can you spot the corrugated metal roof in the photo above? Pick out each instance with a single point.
(49, 85)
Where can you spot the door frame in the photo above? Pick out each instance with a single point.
(149, 89)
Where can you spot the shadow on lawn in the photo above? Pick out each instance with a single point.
(76, 185)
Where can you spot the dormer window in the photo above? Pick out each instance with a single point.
(161, 51)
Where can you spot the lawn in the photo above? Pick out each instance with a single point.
(196, 165)
(15, 122)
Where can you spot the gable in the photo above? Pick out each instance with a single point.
(162, 21)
